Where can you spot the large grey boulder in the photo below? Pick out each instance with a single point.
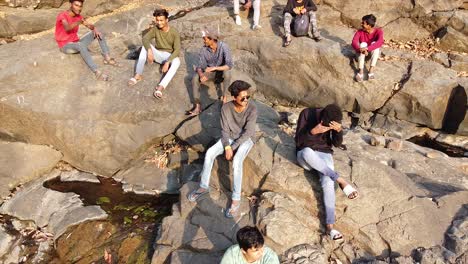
(21, 163)
(424, 97)
(198, 231)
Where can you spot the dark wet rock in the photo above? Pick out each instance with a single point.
(50, 209)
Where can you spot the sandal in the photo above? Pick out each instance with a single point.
(158, 92)
(112, 62)
(193, 196)
(359, 77)
(133, 81)
(349, 190)
(335, 235)
(194, 111)
(232, 211)
(100, 76)
(371, 76)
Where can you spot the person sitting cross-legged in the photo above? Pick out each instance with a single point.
(165, 51)
(368, 40)
(250, 249)
(238, 118)
(66, 36)
(317, 130)
(296, 8)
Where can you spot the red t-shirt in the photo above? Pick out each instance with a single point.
(362, 36)
(61, 35)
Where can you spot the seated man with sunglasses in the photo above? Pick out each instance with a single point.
(238, 118)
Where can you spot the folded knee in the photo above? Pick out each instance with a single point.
(175, 62)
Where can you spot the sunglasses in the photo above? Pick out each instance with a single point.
(247, 97)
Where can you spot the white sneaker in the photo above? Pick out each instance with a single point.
(238, 20)
(256, 27)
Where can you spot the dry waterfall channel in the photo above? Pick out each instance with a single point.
(98, 172)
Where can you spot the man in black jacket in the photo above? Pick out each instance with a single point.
(300, 7)
(317, 130)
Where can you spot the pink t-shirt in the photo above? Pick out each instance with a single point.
(374, 40)
(61, 35)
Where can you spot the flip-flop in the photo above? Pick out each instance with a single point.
(158, 93)
(102, 76)
(286, 43)
(112, 62)
(348, 190)
(193, 196)
(232, 211)
(133, 81)
(193, 113)
(359, 77)
(335, 235)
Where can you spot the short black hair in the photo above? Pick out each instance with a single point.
(370, 19)
(331, 112)
(161, 12)
(249, 237)
(71, 1)
(238, 86)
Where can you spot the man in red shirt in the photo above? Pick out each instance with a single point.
(367, 40)
(66, 29)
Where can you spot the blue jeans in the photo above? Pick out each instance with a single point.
(82, 48)
(238, 160)
(323, 163)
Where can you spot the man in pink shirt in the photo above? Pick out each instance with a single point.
(66, 29)
(367, 40)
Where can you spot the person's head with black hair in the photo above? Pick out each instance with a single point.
(161, 12)
(238, 86)
(239, 90)
(368, 22)
(251, 242)
(76, 6)
(161, 19)
(330, 113)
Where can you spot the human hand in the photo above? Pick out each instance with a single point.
(203, 78)
(165, 67)
(363, 50)
(248, 5)
(336, 126)
(319, 129)
(296, 11)
(150, 56)
(96, 33)
(303, 11)
(228, 153)
(211, 69)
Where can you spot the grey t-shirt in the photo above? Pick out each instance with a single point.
(237, 126)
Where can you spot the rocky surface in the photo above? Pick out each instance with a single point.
(52, 210)
(21, 163)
